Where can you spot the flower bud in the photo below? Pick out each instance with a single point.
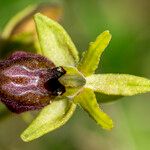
(29, 81)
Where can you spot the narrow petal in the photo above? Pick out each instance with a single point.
(91, 57)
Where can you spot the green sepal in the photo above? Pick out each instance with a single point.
(50, 118)
(91, 57)
(86, 98)
(55, 42)
(118, 84)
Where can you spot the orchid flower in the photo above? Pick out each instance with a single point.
(77, 79)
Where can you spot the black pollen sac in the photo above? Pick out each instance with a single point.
(29, 81)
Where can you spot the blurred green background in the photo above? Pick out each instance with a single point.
(128, 52)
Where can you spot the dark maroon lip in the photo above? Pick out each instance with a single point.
(29, 81)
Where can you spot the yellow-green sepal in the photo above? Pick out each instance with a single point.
(50, 118)
(118, 84)
(55, 43)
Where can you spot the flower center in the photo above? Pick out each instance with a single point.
(53, 85)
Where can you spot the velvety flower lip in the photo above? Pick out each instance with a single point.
(29, 81)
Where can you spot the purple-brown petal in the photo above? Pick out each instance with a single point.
(29, 81)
